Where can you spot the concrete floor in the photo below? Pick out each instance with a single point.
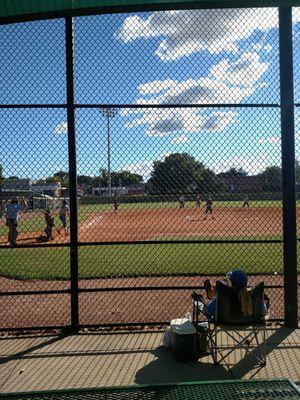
(110, 359)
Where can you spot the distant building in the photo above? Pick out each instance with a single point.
(52, 189)
(104, 191)
(120, 191)
(139, 188)
(17, 185)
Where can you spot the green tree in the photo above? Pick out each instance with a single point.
(181, 173)
(102, 179)
(236, 172)
(1, 176)
(272, 179)
(211, 182)
(52, 179)
(125, 178)
(85, 180)
(63, 177)
(60, 176)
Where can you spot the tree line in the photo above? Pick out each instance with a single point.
(181, 173)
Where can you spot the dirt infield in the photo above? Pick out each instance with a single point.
(110, 307)
(147, 224)
(166, 223)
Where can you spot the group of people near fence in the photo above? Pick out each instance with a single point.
(13, 210)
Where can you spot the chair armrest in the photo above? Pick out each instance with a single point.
(198, 302)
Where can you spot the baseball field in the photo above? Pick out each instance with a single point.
(152, 221)
(105, 268)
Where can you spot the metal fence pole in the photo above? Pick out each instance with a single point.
(288, 166)
(72, 173)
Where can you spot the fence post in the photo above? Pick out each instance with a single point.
(72, 173)
(288, 166)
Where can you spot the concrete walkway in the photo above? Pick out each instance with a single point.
(111, 359)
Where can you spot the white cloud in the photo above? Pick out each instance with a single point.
(180, 139)
(243, 73)
(270, 140)
(61, 128)
(296, 14)
(218, 121)
(161, 122)
(165, 155)
(134, 28)
(143, 168)
(155, 86)
(227, 81)
(182, 33)
(262, 47)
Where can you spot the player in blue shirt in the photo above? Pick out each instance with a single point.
(64, 212)
(12, 216)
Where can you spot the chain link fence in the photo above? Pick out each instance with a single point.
(179, 175)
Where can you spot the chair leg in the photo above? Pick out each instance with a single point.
(264, 347)
(215, 347)
(211, 340)
(244, 342)
(194, 317)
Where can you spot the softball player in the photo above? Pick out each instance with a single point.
(198, 201)
(63, 213)
(246, 201)
(181, 201)
(209, 208)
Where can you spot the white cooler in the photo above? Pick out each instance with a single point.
(184, 340)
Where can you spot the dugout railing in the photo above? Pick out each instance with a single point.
(75, 287)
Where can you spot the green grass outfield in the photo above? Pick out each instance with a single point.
(142, 260)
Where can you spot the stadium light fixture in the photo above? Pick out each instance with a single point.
(108, 113)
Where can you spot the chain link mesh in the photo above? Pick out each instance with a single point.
(296, 49)
(178, 148)
(223, 390)
(33, 63)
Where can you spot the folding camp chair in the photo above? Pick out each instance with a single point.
(243, 330)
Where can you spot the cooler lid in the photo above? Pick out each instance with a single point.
(182, 326)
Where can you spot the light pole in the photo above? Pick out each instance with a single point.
(108, 113)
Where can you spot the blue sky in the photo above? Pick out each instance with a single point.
(146, 58)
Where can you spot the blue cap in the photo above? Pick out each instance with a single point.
(238, 278)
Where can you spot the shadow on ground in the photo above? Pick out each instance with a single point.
(164, 368)
(283, 361)
(45, 362)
